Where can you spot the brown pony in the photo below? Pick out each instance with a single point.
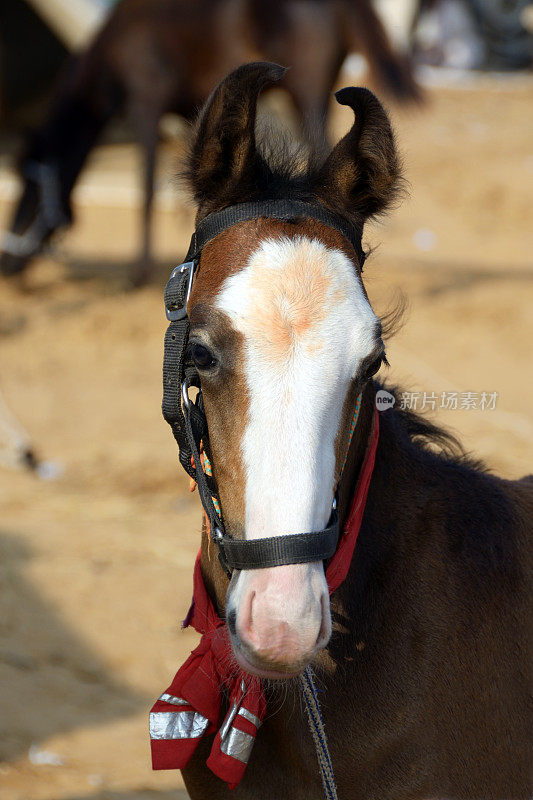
(422, 653)
(159, 56)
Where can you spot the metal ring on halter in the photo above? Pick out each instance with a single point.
(185, 399)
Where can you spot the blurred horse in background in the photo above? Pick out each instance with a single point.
(158, 56)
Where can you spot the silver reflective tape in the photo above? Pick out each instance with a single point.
(177, 725)
(226, 725)
(238, 744)
(176, 701)
(243, 712)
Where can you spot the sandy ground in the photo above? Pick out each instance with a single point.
(96, 565)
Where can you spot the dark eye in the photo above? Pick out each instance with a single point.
(374, 367)
(202, 357)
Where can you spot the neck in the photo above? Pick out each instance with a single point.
(353, 606)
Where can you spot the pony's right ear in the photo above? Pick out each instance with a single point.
(223, 156)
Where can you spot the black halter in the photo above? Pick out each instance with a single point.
(187, 418)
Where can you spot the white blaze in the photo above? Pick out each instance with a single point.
(307, 325)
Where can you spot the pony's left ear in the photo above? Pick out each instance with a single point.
(362, 173)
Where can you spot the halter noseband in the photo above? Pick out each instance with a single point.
(187, 418)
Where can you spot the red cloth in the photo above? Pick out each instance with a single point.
(195, 693)
(340, 563)
(210, 666)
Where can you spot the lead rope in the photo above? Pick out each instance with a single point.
(316, 725)
(309, 690)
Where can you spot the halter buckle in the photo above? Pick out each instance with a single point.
(186, 271)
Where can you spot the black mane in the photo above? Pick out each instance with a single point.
(285, 170)
(422, 434)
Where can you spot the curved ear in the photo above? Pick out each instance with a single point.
(362, 173)
(223, 152)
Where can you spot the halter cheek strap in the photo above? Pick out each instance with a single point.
(187, 418)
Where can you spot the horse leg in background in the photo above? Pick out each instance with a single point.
(146, 121)
(311, 94)
(16, 449)
(312, 115)
(317, 57)
(85, 100)
(363, 32)
(304, 35)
